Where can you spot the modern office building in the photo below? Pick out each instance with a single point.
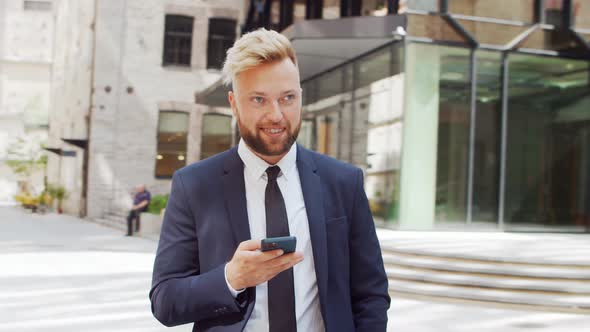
(464, 114)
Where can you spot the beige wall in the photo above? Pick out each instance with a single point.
(26, 52)
(129, 48)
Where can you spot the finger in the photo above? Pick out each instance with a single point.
(249, 245)
(264, 256)
(291, 258)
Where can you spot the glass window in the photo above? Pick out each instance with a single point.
(374, 8)
(172, 142)
(330, 84)
(299, 10)
(327, 134)
(331, 9)
(275, 14)
(487, 137)
(37, 5)
(374, 67)
(178, 40)
(548, 161)
(307, 133)
(581, 14)
(553, 40)
(222, 34)
(491, 33)
(378, 125)
(216, 134)
(453, 135)
(425, 5)
(521, 10)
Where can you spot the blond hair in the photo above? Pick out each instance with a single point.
(256, 48)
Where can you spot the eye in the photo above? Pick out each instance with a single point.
(288, 98)
(258, 99)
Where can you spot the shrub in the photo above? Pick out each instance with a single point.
(158, 203)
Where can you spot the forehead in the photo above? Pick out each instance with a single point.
(273, 77)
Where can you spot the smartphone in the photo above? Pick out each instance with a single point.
(287, 243)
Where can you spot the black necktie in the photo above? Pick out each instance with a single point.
(281, 290)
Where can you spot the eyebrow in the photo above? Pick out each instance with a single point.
(256, 93)
(260, 93)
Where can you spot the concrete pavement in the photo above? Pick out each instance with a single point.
(60, 273)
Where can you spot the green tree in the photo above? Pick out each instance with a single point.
(25, 157)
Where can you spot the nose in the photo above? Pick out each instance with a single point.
(275, 114)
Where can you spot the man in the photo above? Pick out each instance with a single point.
(141, 201)
(209, 270)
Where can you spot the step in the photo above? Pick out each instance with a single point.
(442, 264)
(441, 251)
(566, 301)
(491, 282)
(109, 223)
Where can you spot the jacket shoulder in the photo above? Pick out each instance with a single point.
(332, 167)
(205, 168)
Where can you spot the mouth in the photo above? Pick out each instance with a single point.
(273, 132)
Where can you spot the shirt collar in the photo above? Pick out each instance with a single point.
(256, 167)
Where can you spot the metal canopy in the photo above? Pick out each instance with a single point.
(54, 150)
(81, 143)
(60, 152)
(325, 44)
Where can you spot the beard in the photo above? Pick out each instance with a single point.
(261, 146)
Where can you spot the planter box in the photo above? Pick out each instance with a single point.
(150, 223)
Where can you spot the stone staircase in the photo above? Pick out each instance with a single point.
(539, 285)
(113, 220)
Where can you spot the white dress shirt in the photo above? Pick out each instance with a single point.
(307, 301)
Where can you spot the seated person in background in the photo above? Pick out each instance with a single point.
(141, 201)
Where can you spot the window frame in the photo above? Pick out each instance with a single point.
(221, 39)
(167, 177)
(173, 40)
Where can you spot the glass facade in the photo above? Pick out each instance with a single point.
(354, 113)
(547, 168)
(480, 119)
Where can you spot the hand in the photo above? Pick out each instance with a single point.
(250, 267)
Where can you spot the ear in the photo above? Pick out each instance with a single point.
(232, 101)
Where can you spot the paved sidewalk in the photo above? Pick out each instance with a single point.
(61, 273)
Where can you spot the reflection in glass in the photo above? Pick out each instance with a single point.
(172, 143)
(492, 34)
(432, 27)
(521, 10)
(548, 161)
(216, 134)
(425, 5)
(354, 113)
(553, 40)
(581, 13)
(380, 84)
(374, 8)
(487, 137)
(327, 134)
(453, 135)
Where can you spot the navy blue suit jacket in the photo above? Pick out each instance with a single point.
(206, 218)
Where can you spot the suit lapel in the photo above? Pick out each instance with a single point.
(314, 205)
(234, 191)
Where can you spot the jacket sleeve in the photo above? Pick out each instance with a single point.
(369, 285)
(180, 293)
